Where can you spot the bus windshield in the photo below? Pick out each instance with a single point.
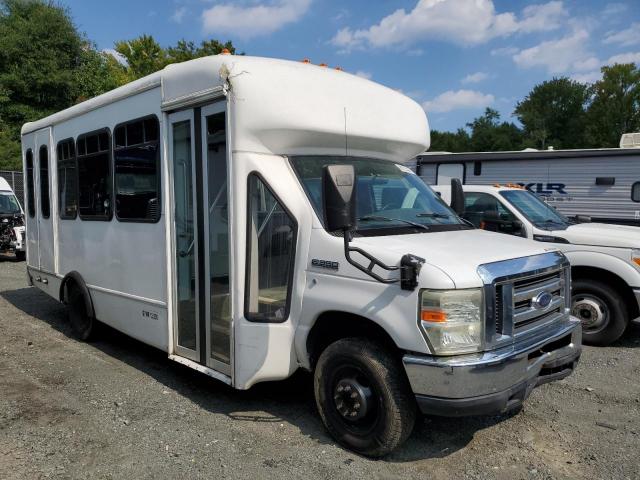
(537, 212)
(9, 204)
(391, 199)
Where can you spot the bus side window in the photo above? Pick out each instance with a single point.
(136, 162)
(45, 204)
(94, 175)
(67, 180)
(271, 244)
(31, 199)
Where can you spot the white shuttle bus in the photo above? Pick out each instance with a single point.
(252, 217)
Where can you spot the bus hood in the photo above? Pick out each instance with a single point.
(458, 254)
(601, 235)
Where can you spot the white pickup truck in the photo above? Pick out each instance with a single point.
(605, 259)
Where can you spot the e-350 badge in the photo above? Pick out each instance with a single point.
(325, 264)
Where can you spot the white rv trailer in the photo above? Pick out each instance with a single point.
(210, 210)
(12, 230)
(603, 184)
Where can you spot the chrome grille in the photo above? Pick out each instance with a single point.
(525, 292)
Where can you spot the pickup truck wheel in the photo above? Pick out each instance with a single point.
(83, 326)
(363, 396)
(601, 310)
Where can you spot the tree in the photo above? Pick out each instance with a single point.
(450, 142)
(554, 113)
(615, 108)
(39, 51)
(97, 73)
(488, 134)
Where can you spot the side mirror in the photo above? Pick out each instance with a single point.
(583, 219)
(457, 196)
(338, 197)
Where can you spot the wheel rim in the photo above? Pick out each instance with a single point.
(592, 311)
(355, 400)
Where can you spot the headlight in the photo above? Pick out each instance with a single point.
(453, 320)
(635, 256)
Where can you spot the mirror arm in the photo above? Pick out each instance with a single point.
(410, 266)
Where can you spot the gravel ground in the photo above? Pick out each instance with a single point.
(119, 409)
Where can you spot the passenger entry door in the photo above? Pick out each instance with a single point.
(201, 261)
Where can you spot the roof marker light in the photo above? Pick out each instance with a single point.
(306, 60)
(225, 51)
(339, 69)
(323, 65)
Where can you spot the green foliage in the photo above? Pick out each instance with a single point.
(615, 108)
(554, 113)
(487, 134)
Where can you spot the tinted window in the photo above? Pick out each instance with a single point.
(271, 244)
(137, 171)
(480, 208)
(67, 180)
(94, 176)
(537, 212)
(31, 205)
(45, 205)
(635, 192)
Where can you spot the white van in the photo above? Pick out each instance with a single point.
(12, 231)
(605, 259)
(252, 217)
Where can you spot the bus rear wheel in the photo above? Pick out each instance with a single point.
(363, 396)
(83, 326)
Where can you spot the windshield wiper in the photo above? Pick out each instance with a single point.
(433, 215)
(368, 218)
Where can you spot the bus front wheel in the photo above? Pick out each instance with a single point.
(363, 396)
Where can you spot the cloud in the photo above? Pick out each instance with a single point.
(625, 38)
(475, 77)
(464, 22)
(253, 20)
(559, 56)
(504, 51)
(179, 14)
(363, 74)
(629, 57)
(458, 100)
(612, 9)
(121, 59)
(588, 77)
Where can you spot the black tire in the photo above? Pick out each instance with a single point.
(377, 383)
(83, 326)
(21, 256)
(602, 311)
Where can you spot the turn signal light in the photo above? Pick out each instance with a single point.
(437, 316)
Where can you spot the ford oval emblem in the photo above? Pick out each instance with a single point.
(542, 300)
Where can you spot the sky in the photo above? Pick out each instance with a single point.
(454, 57)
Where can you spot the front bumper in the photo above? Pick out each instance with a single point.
(493, 382)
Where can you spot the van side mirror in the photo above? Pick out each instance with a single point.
(338, 197)
(457, 196)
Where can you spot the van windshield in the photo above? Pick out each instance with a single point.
(537, 212)
(9, 204)
(391, 199)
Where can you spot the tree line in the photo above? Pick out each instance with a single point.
(558, 113)
(47, 65)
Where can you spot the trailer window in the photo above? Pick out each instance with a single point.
(67, 180)
(137, 170)
(635, 192)
(31, 204)
(94, 176)
(45, 205)
(271, 240)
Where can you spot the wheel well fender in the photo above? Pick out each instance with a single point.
(334, 325)
(75, 280)
(605, 276)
